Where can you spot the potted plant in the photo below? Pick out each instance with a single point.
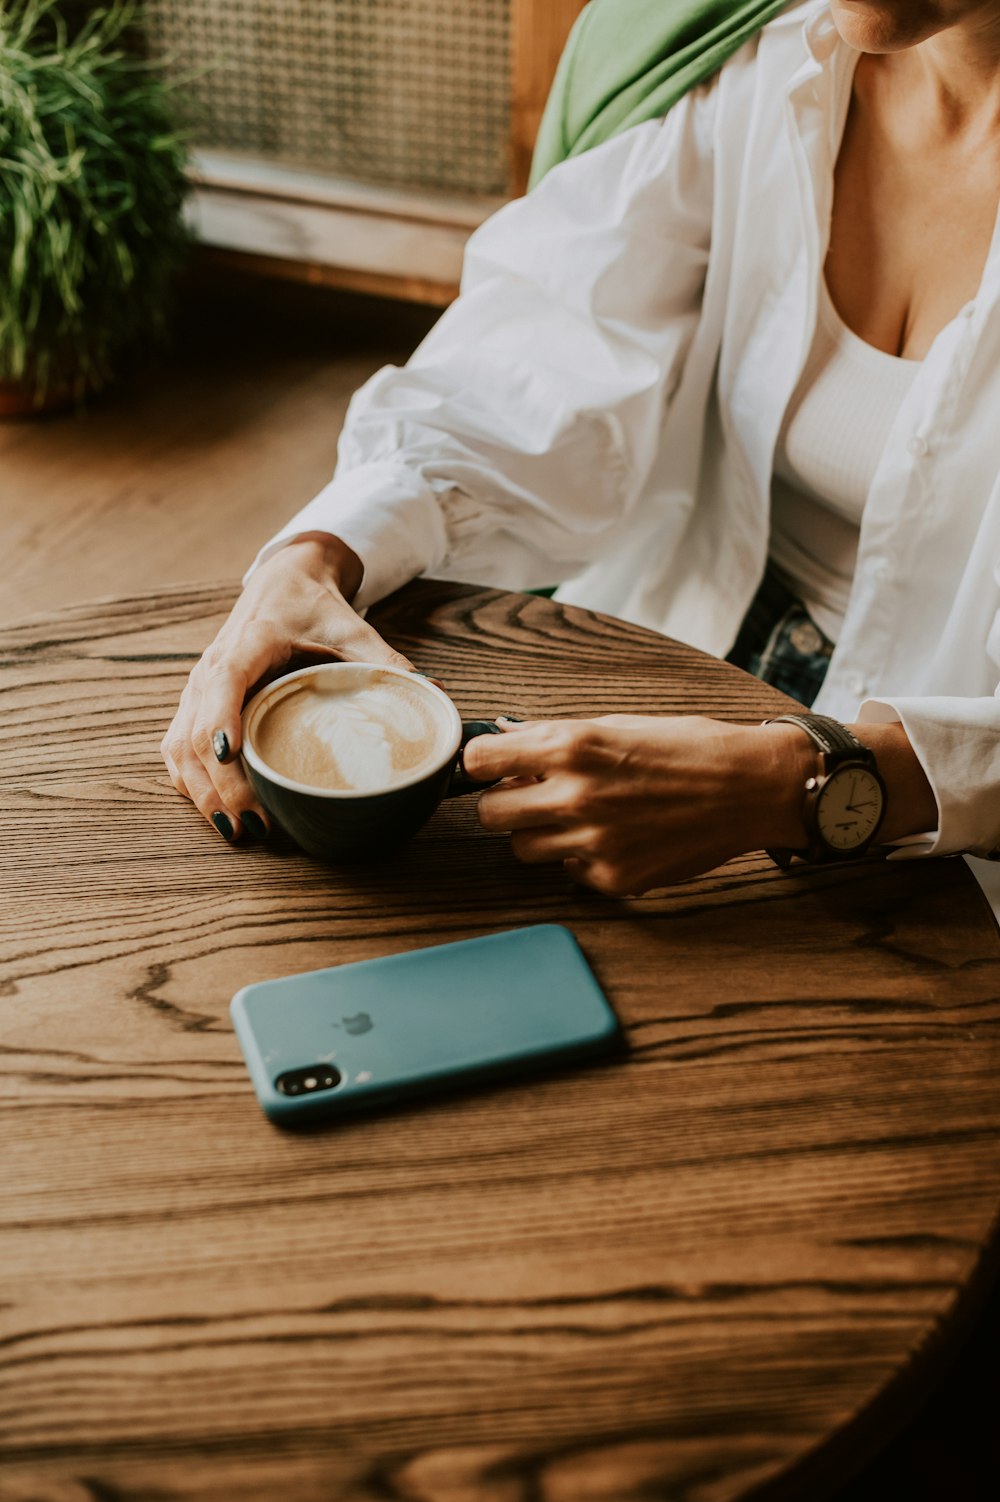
(92, 183)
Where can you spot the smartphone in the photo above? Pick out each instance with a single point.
(357, 1036)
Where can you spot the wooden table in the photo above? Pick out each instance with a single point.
(730, 1262)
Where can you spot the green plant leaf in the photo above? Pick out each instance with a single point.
(92, 186)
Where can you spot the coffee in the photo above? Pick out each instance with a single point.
(360, 731)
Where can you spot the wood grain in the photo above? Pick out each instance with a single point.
(717, 1269)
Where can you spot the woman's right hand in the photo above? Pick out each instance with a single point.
(296, 604)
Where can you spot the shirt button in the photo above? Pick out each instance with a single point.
(969, 311)
(918, 446)
(857, 684)
(806, 639)
(882, 571)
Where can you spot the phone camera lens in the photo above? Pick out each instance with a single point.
(311, 1080)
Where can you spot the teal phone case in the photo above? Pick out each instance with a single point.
(359, 1035)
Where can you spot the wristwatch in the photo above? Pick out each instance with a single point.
(844, 802)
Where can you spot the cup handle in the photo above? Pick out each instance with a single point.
(461, 782)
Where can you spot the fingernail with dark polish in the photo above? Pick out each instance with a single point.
(510, 719)
(220, 744)
(224, 825)
(254, 824)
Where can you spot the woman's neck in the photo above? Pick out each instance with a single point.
(953, 78)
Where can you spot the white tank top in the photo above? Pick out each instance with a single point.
(828, 450)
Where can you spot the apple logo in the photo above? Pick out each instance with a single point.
(359, 1023)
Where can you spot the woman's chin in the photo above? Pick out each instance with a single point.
(885, 25)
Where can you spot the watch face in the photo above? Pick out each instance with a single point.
(849, 807)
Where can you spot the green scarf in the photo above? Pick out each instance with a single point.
(627, 61)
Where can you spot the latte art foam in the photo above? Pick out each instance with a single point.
(353, 734)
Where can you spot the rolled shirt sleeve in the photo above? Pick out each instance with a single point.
(957, 742)
(520, 433)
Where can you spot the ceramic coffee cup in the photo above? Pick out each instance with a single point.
(352, 759)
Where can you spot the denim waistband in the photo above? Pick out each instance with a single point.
(780, 643)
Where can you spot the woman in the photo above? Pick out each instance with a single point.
(766, 326)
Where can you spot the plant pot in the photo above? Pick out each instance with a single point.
(19, 399)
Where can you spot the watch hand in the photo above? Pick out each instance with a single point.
(855, 808)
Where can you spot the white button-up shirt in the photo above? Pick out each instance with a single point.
(600, 408)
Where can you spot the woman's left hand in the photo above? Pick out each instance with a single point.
(632, 802)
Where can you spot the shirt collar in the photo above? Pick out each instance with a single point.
(825, 74)
(819, 32)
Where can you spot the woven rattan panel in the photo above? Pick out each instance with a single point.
(410, 92)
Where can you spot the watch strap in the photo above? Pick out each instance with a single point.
(828, 735)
